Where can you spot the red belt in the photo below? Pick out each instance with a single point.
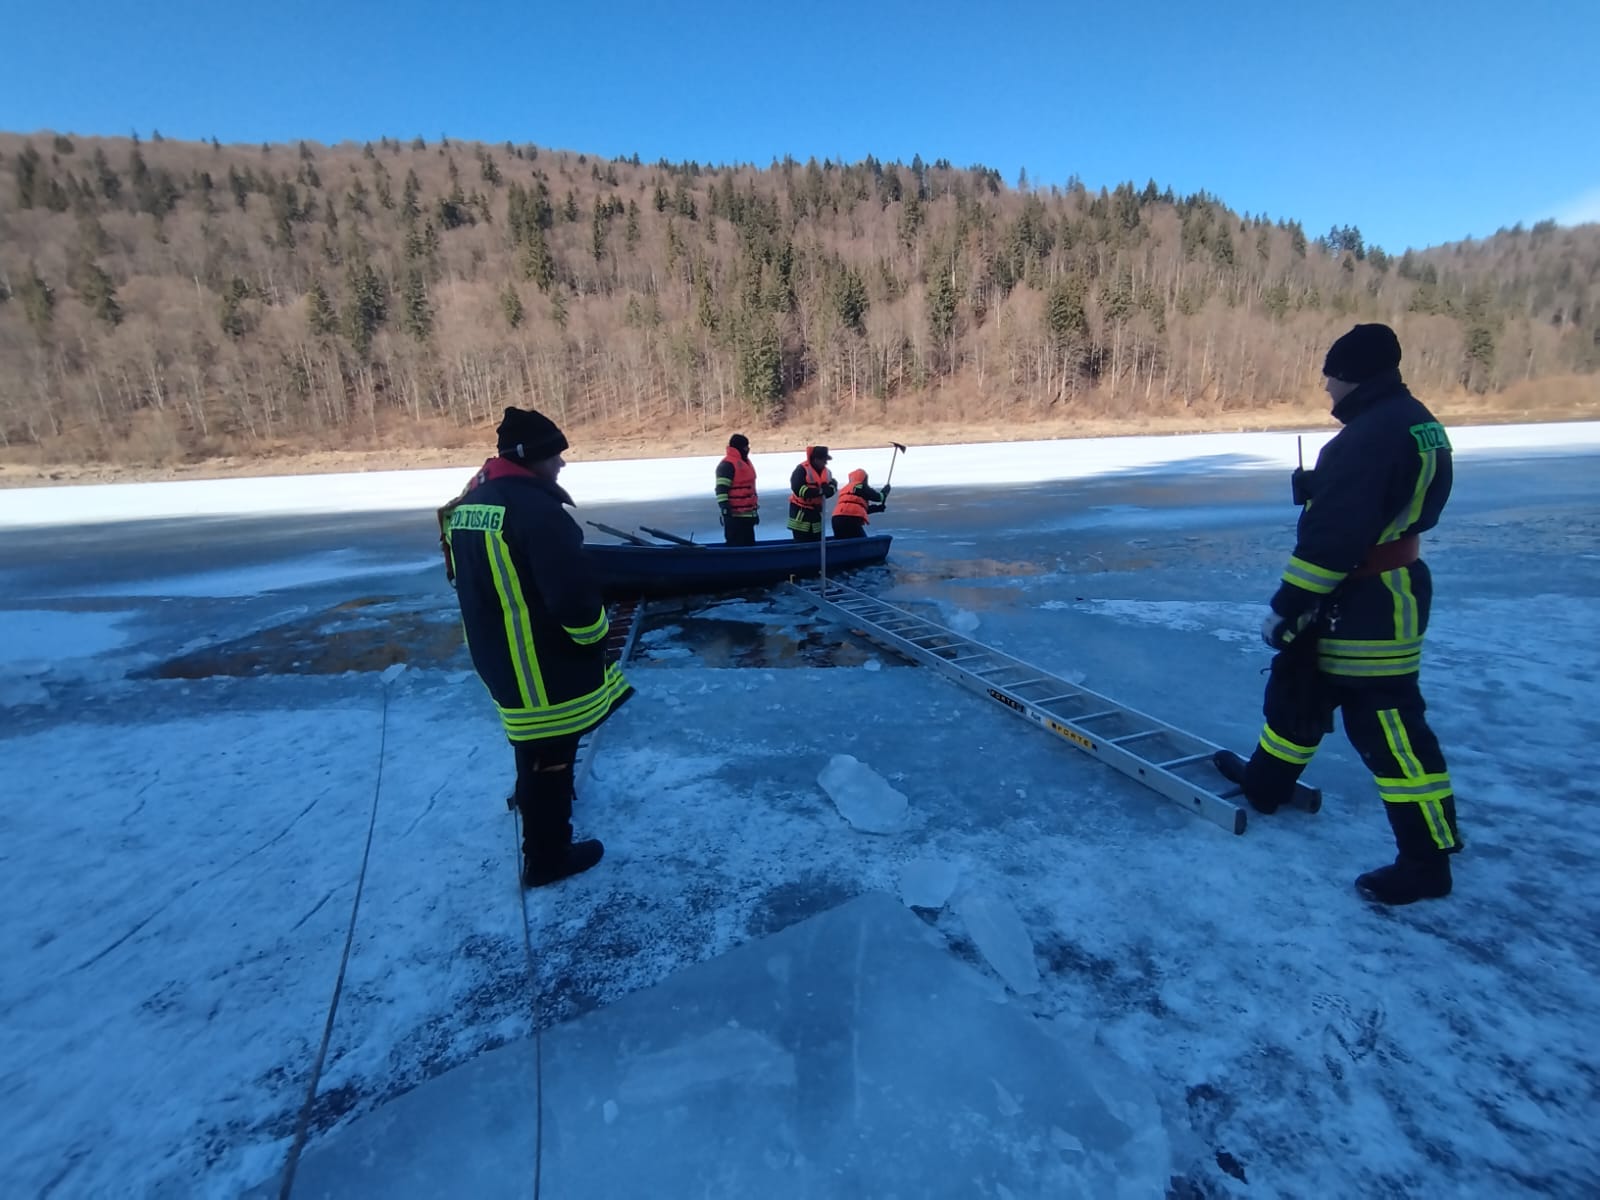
(1390, 556)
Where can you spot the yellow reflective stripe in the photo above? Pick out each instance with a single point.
(1413, 511)
(1434, 786)
(1275, 744)
(574, 716)
(1408, 664)
(587, 635)
(519, 622)
(1394, 732)
(1429, 787)
(1312, 578)
(1370, 647)
(1406, 612)
(564, 709)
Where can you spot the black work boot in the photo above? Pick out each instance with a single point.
(1407, 880)
(1268, 782)
(546, 867)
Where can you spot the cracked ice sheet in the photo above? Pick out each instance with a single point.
(1314, 1040)
(1295, 1035)
(179, 893)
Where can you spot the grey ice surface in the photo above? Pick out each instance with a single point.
(848, 1055)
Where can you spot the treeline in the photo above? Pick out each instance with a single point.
(166, 299)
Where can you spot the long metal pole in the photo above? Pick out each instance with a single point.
(824, 511)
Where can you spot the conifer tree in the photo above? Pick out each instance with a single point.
(416, 314)
(38, 300)
(511, 305)
(320, 317)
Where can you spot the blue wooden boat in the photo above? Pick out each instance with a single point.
(675, 566)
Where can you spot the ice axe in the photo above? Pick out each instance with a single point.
(899, 449)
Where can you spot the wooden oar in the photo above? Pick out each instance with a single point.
(671, 537)
(621, 533)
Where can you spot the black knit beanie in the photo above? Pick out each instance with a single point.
(740, 443)
(1366, 351)
(529, 436)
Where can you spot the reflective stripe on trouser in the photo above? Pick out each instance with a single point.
(1276, 764)
(1412, 777)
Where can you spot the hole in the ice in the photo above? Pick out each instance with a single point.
(366, 634)
(752, 630)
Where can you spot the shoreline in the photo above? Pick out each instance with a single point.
(614, 447)
(597, 482)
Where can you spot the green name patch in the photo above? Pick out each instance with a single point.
(477, 517)
(1430, 435)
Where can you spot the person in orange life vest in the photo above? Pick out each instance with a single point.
(736, 493)
(856, 500)
(809, 485)
(536, 630)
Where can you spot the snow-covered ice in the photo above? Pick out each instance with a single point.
(744, 1076)
(182, 852)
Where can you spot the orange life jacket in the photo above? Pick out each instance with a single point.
(814, 482)
(848, 503)
(742, 495)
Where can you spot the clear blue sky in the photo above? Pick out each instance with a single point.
(1419, 121)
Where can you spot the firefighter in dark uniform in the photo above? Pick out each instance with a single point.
(856, 500)
(536, 629)
(810, 484)
(1349, 618)
(736, 493)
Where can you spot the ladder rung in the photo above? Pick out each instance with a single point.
(1055, 699)
(1134, 737)
(1109, 712)
(1184, 761)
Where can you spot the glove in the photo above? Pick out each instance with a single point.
(1278, 631)
(722, 514)
(886, 491)
(1300, 484)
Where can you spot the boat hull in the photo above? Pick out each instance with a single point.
(628, 570)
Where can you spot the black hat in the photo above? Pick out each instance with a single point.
(819, 452)
(1365, 351)
(740, 443)
(529, 436)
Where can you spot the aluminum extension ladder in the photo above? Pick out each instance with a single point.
(1164, 758)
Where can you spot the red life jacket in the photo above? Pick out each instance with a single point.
(742, 494)
(814, 481)
(848, 503)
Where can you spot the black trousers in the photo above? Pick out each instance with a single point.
(807, 535)
(738, 531)
(849, 527)
(544, 793)
(1385, 720)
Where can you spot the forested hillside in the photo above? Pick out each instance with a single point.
(162, 300)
